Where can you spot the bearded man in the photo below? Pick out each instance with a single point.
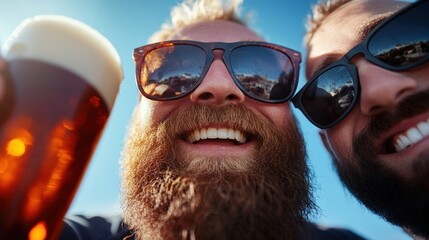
(372, 57)
(214, 160)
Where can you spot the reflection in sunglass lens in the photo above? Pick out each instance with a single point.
(171, 71)
(263, 72)
(329, 96)
(404, 40)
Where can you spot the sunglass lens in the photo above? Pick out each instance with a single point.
(264, 73)
(171, 71)
(330, 96)
(403, 41)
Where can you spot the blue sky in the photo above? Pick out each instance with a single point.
(128, 24)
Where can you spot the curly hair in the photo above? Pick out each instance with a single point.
(193, 11)
(320, 12)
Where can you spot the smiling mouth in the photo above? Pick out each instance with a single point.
(406, 139)
(229, 134)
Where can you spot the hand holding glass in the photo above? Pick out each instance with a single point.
(62, 79)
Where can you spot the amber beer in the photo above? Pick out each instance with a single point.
(62, 79)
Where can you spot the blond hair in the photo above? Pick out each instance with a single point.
(193, 11)
(320, 12)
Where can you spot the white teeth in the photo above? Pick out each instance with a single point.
(197, 136)
(203, 133)
(405, 141)
(414, 135)
(239, 137)
(231, 134)
(222, 133)
(411, 136)
(423, 128)
(216, 133)
(191, 138)
(211, 133)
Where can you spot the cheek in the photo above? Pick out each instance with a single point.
(156, 111)
(340, 137)
(338, 141)
(421, 74)
(352, 125)
(277, 113)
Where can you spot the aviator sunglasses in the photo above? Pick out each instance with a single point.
(398, 43)
(173, 69)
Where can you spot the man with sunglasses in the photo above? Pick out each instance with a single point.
(368, 91)
(213, 151)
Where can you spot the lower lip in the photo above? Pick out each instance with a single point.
(405, 157)
(217, 147)
(417, 148)
(410, 152)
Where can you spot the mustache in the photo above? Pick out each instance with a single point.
(200, 116)
(409, 107)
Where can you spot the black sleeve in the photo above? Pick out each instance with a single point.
(316, 232)
(79, 227)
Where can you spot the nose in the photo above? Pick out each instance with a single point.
(381, 89)
(217, 87)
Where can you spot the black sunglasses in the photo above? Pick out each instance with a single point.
(398, 43)
(173, 69)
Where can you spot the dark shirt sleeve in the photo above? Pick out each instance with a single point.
(318, 232)
(79, 227)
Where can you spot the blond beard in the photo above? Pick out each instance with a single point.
(264, 195)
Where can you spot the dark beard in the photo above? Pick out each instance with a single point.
(163, 199)
(404, 202)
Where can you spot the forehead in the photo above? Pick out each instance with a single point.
(216, 31)
(343, 28)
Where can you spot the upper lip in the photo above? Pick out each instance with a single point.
(406, 133)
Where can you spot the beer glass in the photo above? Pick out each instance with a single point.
(62, 78)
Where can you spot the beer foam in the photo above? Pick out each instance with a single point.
(72, 45)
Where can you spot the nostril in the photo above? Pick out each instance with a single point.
(231, 97)
(376, 110)
(402, 92)
(206, 96)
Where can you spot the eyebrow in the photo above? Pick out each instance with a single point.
(327, 60)
(368, 26)
(363, 31)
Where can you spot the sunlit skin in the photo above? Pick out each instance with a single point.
(381, 89)
(217, 89)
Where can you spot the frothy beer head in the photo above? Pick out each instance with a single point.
(69, 44)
